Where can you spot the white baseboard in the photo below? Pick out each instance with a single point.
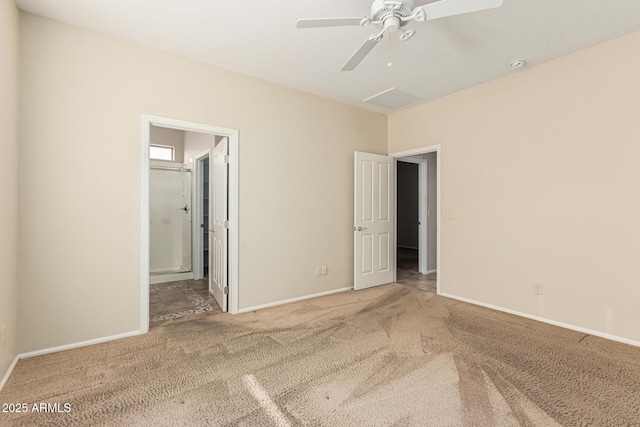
(431, 271)
(170, 277)
(9, 371)
(545, 320)
(287, 301)
(77, 345)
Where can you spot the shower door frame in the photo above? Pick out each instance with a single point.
(172, 276)
(232, 135)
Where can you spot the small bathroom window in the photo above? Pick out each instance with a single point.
(161, 152)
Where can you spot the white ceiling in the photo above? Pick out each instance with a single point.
(259, 38)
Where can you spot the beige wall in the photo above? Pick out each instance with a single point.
(8, 180)
(196, 143)
(80, 228)
(169, 137)
(540, 169)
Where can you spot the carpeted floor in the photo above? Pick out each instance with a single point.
(395, 355)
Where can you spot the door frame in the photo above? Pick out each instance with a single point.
(414, 152)
(198, 213)
(233, 135)
(423, 247)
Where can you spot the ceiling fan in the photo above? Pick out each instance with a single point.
(390, 16)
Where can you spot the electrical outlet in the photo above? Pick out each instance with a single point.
(3, 335)
(325, 270)
(538, 289)
(319, 270)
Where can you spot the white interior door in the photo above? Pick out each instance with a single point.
(218, 216)
(373, 229)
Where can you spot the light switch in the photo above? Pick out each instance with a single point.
(325, 270)
(447, 215)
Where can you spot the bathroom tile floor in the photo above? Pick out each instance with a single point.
(408, 274)
(174, 300)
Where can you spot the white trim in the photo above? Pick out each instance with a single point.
(233, 268)
(234, 222)
(9, 371)
(144, 224)
(287, 301)
(415, 160)
(78, 344)
(423, 218)
(170, 277)
(430, 149)
(431, 271)
(545, 320)
(416, 151)
(438, 218)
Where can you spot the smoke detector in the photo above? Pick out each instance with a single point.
(518, 63)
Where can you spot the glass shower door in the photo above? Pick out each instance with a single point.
(170, 221)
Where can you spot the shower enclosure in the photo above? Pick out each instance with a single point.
(170, 222)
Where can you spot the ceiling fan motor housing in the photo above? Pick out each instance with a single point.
(389, 12)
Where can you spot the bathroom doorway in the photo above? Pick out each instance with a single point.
(178, 196)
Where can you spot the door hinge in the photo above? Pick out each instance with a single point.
(226, 290)
(226, 159)
(226, 224)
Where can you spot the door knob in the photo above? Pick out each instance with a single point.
(360, 228)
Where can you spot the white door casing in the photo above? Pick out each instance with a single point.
(374, 198)
(218, 217)
(438, 249)
(232, 204)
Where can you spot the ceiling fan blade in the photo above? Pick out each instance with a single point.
(444, 8)
(329, 22)
(360, 54)
(423, 2)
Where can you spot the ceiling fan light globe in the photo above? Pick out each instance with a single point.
(419, 15)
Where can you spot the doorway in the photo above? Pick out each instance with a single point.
(201, 216)
(375, 217)
(418, 217)
(228, 158)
